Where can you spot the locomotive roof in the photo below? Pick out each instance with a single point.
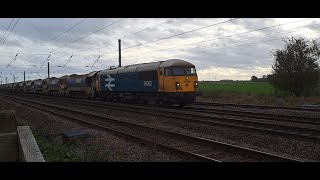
(50, 79)
(64, 77)
(73, 76)
(93, 73)
(38, 80)
(175, 62)
(146, 66)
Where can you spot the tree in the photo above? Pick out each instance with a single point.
(254, 78)
(296, 68)
(269, 77)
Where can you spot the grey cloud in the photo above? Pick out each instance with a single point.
(29, 34)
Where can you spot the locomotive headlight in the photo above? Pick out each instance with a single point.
(177, 85)
(196, 84)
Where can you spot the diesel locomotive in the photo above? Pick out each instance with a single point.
(167, 82)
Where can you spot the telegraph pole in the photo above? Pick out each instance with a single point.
(24, 76)
(48, 70)
(1, 81)
(6, 80)
(119, 52)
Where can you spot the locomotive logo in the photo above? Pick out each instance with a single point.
(109, 80)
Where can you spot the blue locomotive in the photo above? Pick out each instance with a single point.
(167, 82)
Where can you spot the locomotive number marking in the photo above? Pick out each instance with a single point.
(109, 85)
(147, 83)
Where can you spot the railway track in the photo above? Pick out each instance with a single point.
(196, 148)
(208, 119)
(248, 114)
(254, 106)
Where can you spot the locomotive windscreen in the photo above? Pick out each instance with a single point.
(180, 71)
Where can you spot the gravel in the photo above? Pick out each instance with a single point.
(292, 147)
(110, 146)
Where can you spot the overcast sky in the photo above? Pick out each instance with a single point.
(220, 48)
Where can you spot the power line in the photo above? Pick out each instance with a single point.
(67, 61)
(248, 43)
(89, 34)
(45, 61)
(214, 38)
(259, 29)
(175, 35)
(24, 61)
(146, 29)
(7, 29)
(95, 62)
(220, 48)
(179, 34)
(65, 31)
(77, 24)
(12, 60)
(276, 33)
(135, 33)
(82, 50)
(10, 32)
(131, 34)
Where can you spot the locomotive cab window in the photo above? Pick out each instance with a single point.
(167, 72)
(180, 71)
(191, 70)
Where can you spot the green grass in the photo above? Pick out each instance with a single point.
(257, 93)
(61, 153)
(54, 152)
(260, 88)
(209, 89)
